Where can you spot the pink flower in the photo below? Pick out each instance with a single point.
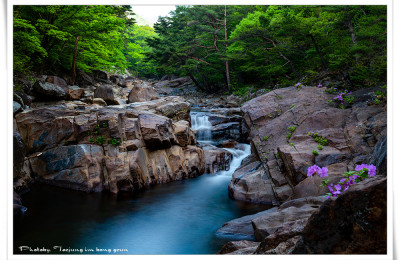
(312, 170)
(371, 169)
(323, 172)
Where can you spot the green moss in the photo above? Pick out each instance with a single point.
(314, 152)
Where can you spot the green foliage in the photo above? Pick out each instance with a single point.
(292, 129)
(319, 139)
(291, 144)
(136, 49)
(349, 99)
(324, 182)
(266, 138)
(100, 140)
(292, 106)
(314, 152)
(45, 36)
(320, 147)
(115, 141)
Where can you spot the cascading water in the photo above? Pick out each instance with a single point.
(202, 125)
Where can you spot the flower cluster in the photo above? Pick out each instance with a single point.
(299, 86)
(335, 192)
(341, 97)
(322, 172)
(371, 169)
(319, 85)
(361, 172)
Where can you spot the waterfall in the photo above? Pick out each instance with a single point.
(240, 152)
(202, 125)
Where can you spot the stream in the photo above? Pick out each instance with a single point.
(180, 217)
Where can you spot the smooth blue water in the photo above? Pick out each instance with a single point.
(176, 218)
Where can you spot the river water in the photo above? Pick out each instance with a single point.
(180, 217)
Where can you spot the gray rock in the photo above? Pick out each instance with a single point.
(16, 107)
(106, 93)
(48, 91)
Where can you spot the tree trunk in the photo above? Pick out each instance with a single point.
(351, 30)
(324, 65)
(73, 69)
(228, 79)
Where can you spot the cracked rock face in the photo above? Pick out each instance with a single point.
(279, 124)
(72, 145)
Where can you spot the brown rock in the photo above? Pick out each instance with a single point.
(217, 159)
(99, 101)
(242, 227)
(106, 93)
(141, 93)
(58, 81)
(77, 166)
(233, 246)
(76, 93)
(175, 110)
(184, 133)
(291, 211)
(250, 183)
(354, 223)
(157, 131)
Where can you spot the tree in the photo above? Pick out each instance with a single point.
(85, 37)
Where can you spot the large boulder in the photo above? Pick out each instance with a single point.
(354, 223)
(250, 183)
(141, 93)
(294, 213)
(241, 227)
(48, 91)
(100, 75)
(217, 159)
(106, 93)
(230, 130)
(83, 79)
(78, 167)
(157, 131)
(116, 79)
(176, 110)
(75, 93)
(184, 133)
(58, 81)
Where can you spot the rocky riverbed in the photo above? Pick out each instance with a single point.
(120, 134)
